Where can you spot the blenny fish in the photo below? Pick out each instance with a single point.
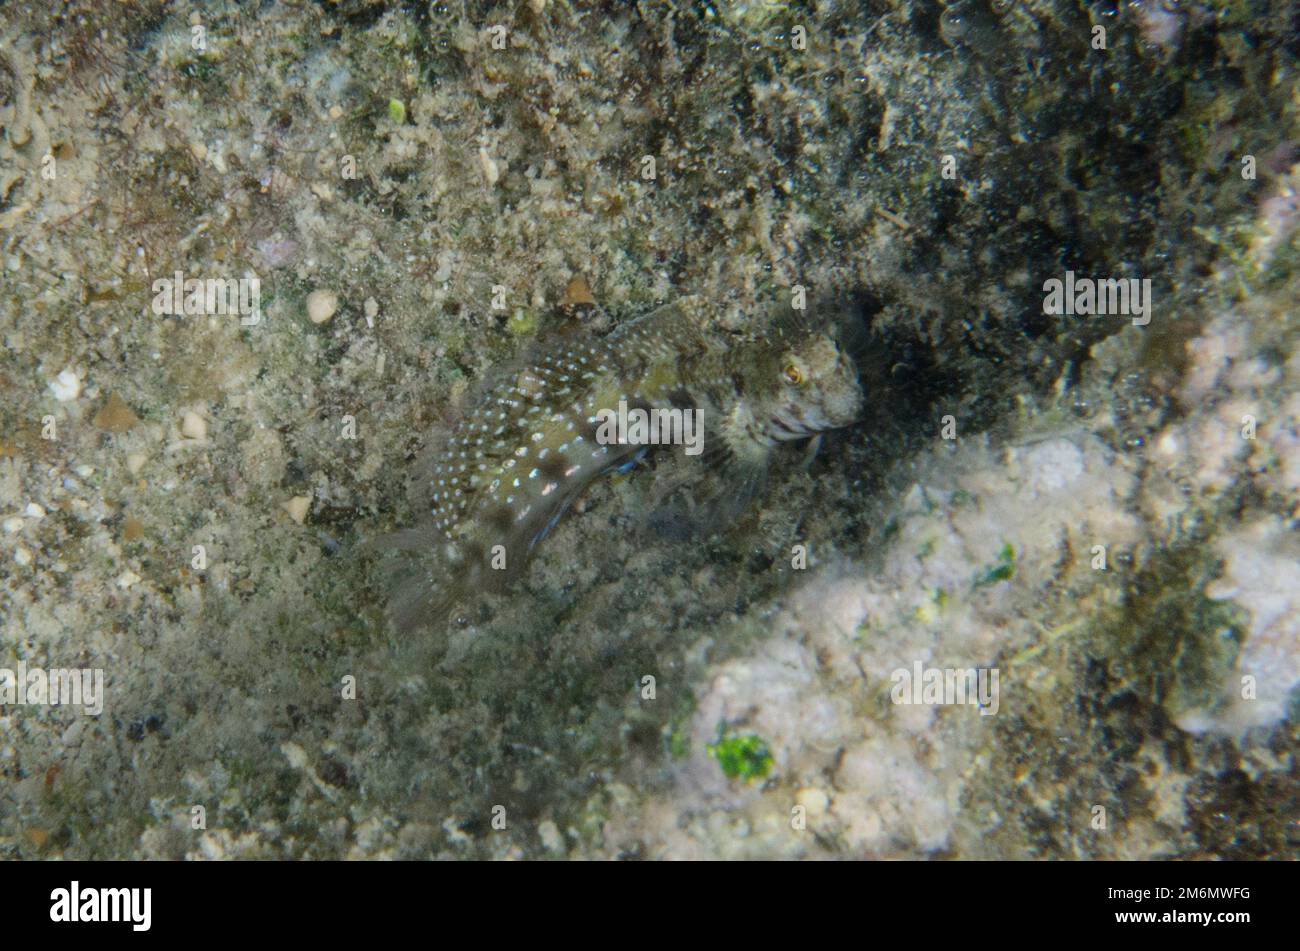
(513, 465)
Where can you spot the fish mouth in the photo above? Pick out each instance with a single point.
(794, 422)
(783, 432)
(797, 420)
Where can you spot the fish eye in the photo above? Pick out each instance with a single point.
(793, 375)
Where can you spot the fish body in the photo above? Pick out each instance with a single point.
(535, 439)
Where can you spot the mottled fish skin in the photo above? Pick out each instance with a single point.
(514, 464)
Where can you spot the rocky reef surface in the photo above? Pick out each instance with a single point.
(1098, 507)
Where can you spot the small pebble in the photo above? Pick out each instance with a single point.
(577, 292)
(132, 529)
(115, 416)
(297, 507)
(321, 306)
(193, 426)
(22, 556)
(814, 800)
(34, 511)
(295, 754)
(551, 838)
(66, 386)
(491, 171)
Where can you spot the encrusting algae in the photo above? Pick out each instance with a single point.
(543, 432)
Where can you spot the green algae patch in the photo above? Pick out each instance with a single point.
(1004, 569)
(522, 323)
(742, 757)
(679, 744)
(1176, 646)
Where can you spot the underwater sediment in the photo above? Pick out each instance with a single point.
(387, 207)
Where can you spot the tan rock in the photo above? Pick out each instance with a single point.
(115, 416)
(297, 507)
(321, 305)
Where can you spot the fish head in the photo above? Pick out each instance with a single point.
(815, 388)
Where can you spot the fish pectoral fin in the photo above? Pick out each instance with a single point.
(704, 498)
(810, 452)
